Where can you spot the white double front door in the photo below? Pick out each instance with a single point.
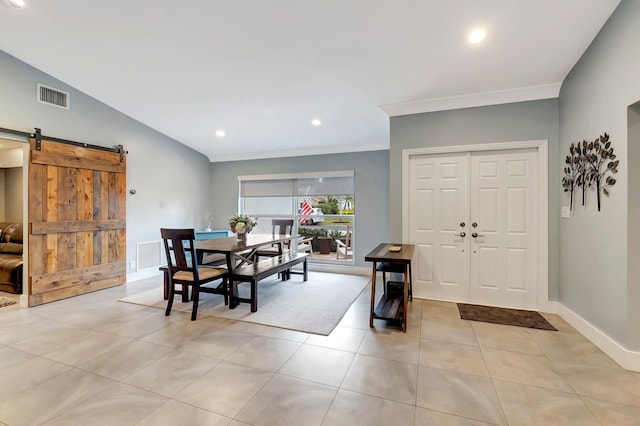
(473, 219)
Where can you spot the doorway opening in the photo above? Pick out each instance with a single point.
(12, 213)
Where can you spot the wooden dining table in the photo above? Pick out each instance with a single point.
(239, 252)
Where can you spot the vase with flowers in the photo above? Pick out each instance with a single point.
(242, 224)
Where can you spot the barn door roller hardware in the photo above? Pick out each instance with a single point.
(38, 136)
(122, 152)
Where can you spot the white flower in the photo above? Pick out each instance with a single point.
(239, 227)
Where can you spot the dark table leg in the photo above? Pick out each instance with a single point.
(373, 294)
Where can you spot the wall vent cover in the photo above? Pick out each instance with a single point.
(50, 96)
(149, 255)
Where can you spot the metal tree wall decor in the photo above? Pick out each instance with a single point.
(571, 174)
(585, 167)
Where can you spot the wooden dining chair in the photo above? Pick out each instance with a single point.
(278, 227)
(179, 245)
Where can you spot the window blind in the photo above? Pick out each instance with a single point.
(320, 183)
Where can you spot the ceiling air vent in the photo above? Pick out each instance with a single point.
(51, 96)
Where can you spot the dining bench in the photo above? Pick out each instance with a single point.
(252, 273)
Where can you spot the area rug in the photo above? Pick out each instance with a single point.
(315, 306)
(4, 301)
(517, 317)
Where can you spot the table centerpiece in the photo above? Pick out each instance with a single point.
(242, 224)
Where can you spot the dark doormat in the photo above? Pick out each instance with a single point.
(517, 317)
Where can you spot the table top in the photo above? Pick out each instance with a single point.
(382, 254)
(233, 244)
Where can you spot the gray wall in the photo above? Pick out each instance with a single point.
(595, 96)
(371, 180)
(171, 180)
(536, 120)
(13, 195)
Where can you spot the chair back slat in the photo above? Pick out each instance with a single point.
(179, 245)
(281, 226)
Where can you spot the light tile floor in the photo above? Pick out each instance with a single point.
(91, 360)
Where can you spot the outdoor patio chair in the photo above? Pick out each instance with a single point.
(343, 246)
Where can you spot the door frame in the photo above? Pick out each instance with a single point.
(23, 138)
(542, 198)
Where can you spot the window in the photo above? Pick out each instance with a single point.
(322, 205)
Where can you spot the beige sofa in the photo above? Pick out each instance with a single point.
(11, 260)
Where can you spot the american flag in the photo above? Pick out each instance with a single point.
(306, 208)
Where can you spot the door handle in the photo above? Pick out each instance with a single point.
(462, 224)
(463, 234)
(476, 235)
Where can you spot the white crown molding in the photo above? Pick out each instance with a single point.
(376, 146)
(523, 94)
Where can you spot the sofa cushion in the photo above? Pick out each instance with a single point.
(12, 233)
(11, 248)
(2, 226)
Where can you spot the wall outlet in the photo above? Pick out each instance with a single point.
(132, 264)
(566, 212)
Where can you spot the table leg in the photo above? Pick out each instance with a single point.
(233, 285)
(405, 306)
(373, 294)
(410, 283)
(233, 291)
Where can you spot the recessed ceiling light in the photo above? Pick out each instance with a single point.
(477, 35)
(316, 122)
(12, 3)
(220, 133)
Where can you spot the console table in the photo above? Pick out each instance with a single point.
(210, 235)
(393, 304)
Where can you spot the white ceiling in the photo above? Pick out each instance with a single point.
(261, 70)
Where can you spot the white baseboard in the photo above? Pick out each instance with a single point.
(550, 307)
(339, 269)
(140, 275)
(629, 360)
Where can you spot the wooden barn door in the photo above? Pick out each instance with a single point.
(77, 220)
